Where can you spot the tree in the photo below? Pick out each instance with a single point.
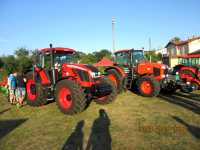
(154, 57)
(10, 64)
(23, 59)
(175, 39)
(78, 56)
(1, 63)
(102, 53)
(89, 59)
(24, 64)
(22, 52)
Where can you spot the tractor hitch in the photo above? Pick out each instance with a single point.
(101, 89)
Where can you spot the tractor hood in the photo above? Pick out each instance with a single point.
(157, 69)
(83, 68)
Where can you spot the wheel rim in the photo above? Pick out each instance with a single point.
(146, 87)
(65, 98)
(31, 90)
(112, 78)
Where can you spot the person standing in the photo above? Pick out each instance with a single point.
(12, 84)
(21, 89)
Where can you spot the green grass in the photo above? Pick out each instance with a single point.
(136, 123)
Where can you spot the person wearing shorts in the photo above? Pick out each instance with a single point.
(12, 84)
(21, 89)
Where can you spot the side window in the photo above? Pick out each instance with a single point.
(47, 60)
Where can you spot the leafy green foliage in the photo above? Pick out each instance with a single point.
(102, 53)
(1, 63)
(23, 59)
(22, 52)
(154, 57)
(10, 64)
(175, 39)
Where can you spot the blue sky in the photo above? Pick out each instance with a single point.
(86, 24)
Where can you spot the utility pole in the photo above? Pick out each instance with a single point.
(113, 33)
(149, 49)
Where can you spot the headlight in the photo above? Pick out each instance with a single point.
(95, 74)
(163, 67)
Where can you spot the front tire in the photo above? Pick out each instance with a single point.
(70, 97)
(116, 78)
(34, 92)
(148, 86)
(108, 98)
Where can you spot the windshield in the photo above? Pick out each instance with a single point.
(122, 58)
(138, 56)
(63, 57)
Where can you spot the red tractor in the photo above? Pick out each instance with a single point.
(189, 69)
(54, 76)
(132, 70)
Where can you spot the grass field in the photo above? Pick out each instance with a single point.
(132, 122)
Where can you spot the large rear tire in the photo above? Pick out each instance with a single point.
(116, 77)
(34, 92)
(148, 87)
(108, 98)
(70, 97)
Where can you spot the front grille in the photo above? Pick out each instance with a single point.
(83, 75)
(156, 71)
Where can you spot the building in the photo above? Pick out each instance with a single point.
(180, 48)
(162, 51)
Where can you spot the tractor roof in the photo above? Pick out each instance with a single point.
(126, 50)
(122, 50)
(57, 49)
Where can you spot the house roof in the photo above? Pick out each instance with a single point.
(179, 43)
(104, 62)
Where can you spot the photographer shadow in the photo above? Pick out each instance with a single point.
(100, 138)
(75, 140)
(194, 130)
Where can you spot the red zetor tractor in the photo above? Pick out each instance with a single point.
(131, 70)
(189, 69)
(54, 76)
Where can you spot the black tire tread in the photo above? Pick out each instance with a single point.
(78, 96)
(112, 96)
(119, 79)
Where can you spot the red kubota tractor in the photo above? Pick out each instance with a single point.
(54, 76)
(189, 69)
(131, 70)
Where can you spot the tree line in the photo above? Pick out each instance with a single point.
(22, 59)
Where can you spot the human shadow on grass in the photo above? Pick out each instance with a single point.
(195, 131)
(75, 140)
(100, 138)
(6, 126)
(5, 110)
(184, 102)
(192, 96)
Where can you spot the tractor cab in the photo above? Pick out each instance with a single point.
(50, 57)
(129, 57)
(49, 61)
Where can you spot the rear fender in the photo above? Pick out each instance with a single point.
(118, 69)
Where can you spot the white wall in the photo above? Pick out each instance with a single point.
(194, 46)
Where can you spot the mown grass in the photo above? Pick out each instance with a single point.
(136, 123)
